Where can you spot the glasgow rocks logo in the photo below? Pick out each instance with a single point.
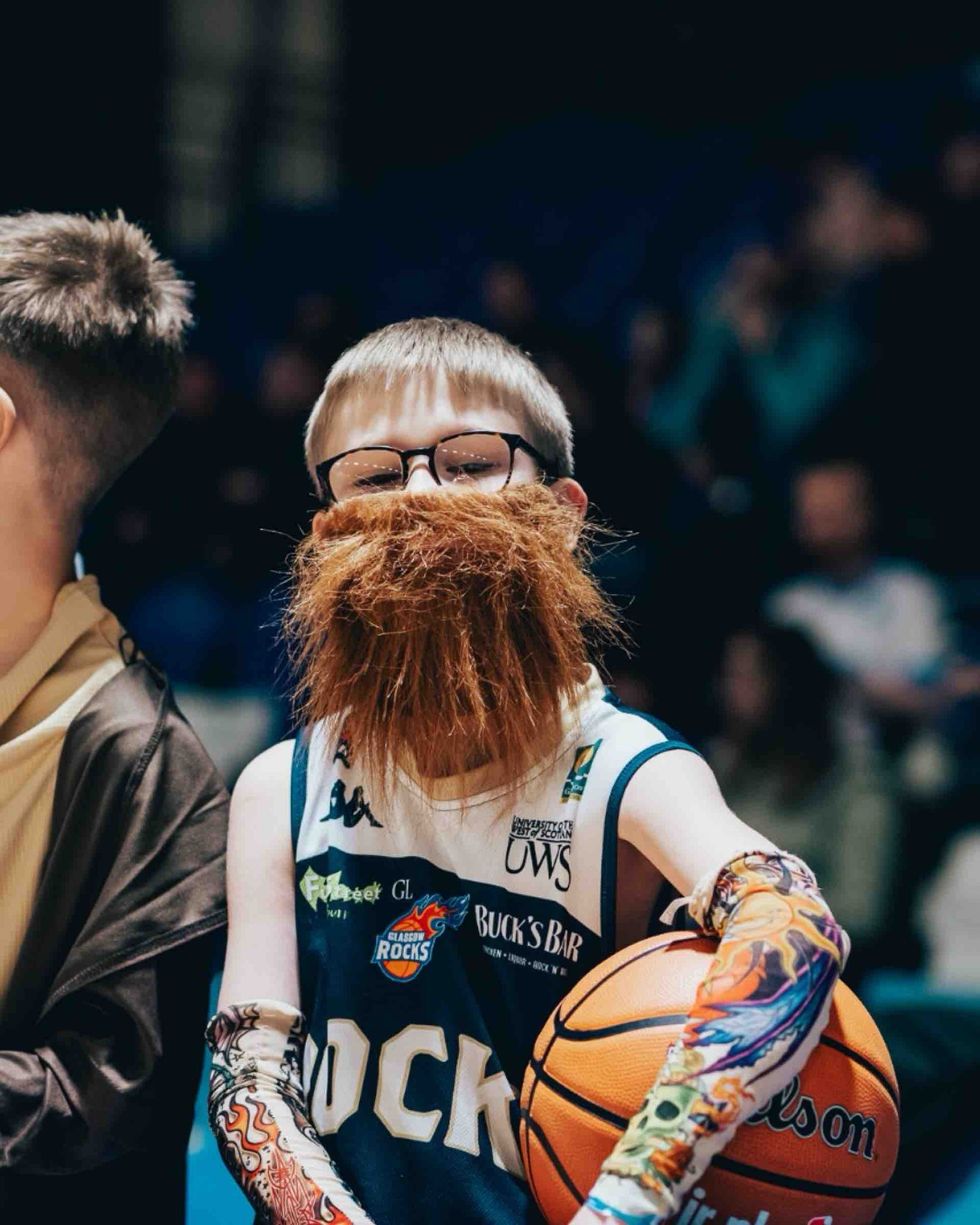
(405, 947)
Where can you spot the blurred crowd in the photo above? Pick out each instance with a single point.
(782, 452)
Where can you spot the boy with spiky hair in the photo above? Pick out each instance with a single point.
(112, 817)
(467, 824)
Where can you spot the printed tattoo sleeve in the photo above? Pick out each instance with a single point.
(257, 1111)
(757, 1016)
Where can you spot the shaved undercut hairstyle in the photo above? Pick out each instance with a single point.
(474, 361)
(95, 321)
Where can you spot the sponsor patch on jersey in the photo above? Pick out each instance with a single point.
(578, 775)
(405, 947)
(539, 940)
(332, 889)
(540, 847)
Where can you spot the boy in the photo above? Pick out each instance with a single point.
(112, 818)
(467, 824)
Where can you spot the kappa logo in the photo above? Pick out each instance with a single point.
(351, 811)
(578, 775)
(404, 948)
(343, 751)
(331, 889)
(542, 846)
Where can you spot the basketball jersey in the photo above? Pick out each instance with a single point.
(435, 937)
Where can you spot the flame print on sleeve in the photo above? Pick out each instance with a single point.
(756, 1017)
(257, 1113)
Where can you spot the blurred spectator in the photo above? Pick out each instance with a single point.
(510, 306)
(961, 168)
(780, 330)
(654, 341)
(844, 230)
(783, 343)
(290, 381)
(878, 622)
(787, 770)
(950, 915)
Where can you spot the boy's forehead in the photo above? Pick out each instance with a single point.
(413, 414)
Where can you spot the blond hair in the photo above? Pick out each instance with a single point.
(97, 318)
(473, 359)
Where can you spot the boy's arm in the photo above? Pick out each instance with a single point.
(761, 1008)
(256, 1104)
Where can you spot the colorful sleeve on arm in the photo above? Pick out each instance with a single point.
(257, 1111)
(757, 1016)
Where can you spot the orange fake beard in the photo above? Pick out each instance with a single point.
(445, 628)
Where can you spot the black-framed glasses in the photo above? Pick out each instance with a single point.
(478, 459)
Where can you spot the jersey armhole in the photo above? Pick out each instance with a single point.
(297, 785)
(610, 834)
(671, 733)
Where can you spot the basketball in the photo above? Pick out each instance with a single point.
(820, 1153)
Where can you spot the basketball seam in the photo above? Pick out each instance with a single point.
(576, 1099)
(864, 1063)
(531, 1126)
(667, 944)
(795, 1184)
(524, 1135)
(560, 1020)
(584, 1035)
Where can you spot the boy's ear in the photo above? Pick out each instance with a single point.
(570, 493)
(8, 417)
(318, 521)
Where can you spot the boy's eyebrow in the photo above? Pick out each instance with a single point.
(458, 427)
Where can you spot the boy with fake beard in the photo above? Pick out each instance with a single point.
(467, 824)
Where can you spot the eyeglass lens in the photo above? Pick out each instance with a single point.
(475, 460)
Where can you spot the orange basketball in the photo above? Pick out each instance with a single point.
(820, 1152)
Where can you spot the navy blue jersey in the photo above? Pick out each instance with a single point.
(435, 936)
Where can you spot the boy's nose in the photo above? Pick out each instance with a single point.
(420, 477)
